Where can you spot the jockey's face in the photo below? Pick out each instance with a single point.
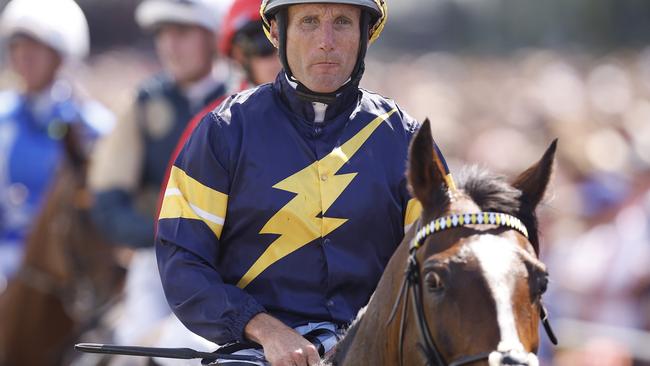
(185, 51)
(322, 44)
(34, 62)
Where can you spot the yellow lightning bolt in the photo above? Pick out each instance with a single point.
(316, 187)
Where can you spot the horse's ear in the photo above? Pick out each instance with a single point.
(534, 180)
(424, 177)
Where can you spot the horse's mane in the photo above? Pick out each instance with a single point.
(344, 345)
(491, 192)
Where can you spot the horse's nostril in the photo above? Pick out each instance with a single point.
(514, 359)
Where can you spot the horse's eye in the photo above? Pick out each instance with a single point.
(542, 283)
(433, 282)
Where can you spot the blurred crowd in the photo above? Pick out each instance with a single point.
(502, 112)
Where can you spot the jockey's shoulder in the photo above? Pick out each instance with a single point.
(248, 101)
(378, 104)
(370, 97)
(9, 100)
(97, 116)
(155, 86)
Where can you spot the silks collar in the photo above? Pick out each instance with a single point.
(295, 101)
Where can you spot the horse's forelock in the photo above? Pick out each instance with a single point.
(492, 192)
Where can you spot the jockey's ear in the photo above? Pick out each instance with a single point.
(533, 182)
(425, 178)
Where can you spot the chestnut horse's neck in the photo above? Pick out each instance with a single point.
(370, 339)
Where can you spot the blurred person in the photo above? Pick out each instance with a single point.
(130, 163)
(604, 268)
(243, 41)
(258, 236)
(42, 39)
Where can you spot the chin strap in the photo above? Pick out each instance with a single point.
(307, 95)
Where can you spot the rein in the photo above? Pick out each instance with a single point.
(411, 284)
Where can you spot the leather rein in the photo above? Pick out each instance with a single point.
(411, 289)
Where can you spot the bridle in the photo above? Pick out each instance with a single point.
(411, 284)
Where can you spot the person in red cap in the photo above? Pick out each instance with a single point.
(243, 40)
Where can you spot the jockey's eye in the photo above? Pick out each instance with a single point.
(433, 282)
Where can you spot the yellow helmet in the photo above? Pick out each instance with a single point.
(377, 9)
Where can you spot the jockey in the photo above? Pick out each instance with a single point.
(42, 39)
(130, 163)
(285, 205)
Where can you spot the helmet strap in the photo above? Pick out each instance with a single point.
(282, 19)
(360, 66)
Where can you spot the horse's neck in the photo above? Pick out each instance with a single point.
(51, 221)
(373, 342)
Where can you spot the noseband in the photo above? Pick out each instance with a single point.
(411, 283)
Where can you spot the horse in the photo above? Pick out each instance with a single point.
(68, 275)
(472, 289)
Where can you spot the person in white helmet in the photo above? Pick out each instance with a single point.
(242, 40)
(41, 39)
(286, 203)
(130, 163)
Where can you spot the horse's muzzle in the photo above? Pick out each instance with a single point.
(513, 358)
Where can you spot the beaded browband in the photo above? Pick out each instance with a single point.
(459, 220)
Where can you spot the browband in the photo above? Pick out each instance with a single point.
(459, 220)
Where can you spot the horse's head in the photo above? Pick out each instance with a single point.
(476, 282)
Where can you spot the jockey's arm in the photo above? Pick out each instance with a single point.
(114, 177)
(188, 244)
(200, 299)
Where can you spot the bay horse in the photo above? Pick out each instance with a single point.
(67, 276)
(471, 293)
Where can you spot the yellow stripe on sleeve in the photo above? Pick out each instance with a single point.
(186, 198)
(413, 211)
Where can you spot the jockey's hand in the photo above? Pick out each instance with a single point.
(283, 346)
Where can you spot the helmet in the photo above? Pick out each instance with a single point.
(377, 9)
(203, 13)
(242, 14)
(60, 24)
